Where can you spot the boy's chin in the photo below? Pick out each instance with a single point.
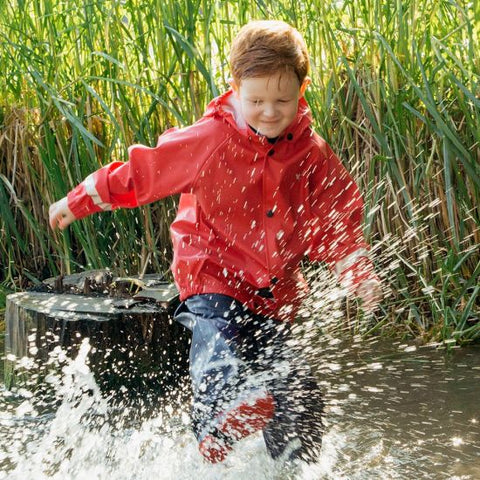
(270, 132)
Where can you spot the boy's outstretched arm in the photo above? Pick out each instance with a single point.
(150, 174)
(60, 216)
(337, 231)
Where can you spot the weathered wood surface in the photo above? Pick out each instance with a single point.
(136, 347)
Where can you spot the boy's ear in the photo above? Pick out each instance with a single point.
(304, 86)
(233, 84)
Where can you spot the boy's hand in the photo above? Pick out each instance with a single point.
(370, 293)
(60, 216)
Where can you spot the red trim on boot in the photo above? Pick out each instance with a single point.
(240, 422)
(248, 418)
(213, 449)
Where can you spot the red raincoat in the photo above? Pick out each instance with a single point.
(249, 210)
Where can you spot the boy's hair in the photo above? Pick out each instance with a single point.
(265, 47)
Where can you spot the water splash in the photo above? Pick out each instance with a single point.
(85, 437)
(393, 411)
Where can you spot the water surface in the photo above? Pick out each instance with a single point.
(394, 411)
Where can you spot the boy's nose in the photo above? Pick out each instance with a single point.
(269, 111)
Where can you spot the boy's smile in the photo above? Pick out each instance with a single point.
(269, 104)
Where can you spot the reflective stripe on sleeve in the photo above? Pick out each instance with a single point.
(92, 192)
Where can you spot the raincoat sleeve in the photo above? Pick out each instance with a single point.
(150, 173)
(337, 214)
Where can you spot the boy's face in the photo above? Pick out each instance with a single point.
(269, 104)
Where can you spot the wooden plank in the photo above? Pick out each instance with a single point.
(77, 307)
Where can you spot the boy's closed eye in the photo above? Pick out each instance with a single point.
(260, 102)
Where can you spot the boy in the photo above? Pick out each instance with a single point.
(259, 191)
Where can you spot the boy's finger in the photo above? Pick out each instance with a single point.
(53, 220)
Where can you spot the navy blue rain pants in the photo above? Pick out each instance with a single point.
(236, 354)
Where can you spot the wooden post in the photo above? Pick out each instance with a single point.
(137, 350)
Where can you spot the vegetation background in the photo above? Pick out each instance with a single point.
(396, 92)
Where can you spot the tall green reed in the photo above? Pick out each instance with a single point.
(395, 92)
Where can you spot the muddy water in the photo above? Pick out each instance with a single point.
(394, 411)
(397, 411)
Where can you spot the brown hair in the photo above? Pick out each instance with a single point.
(268, 46)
